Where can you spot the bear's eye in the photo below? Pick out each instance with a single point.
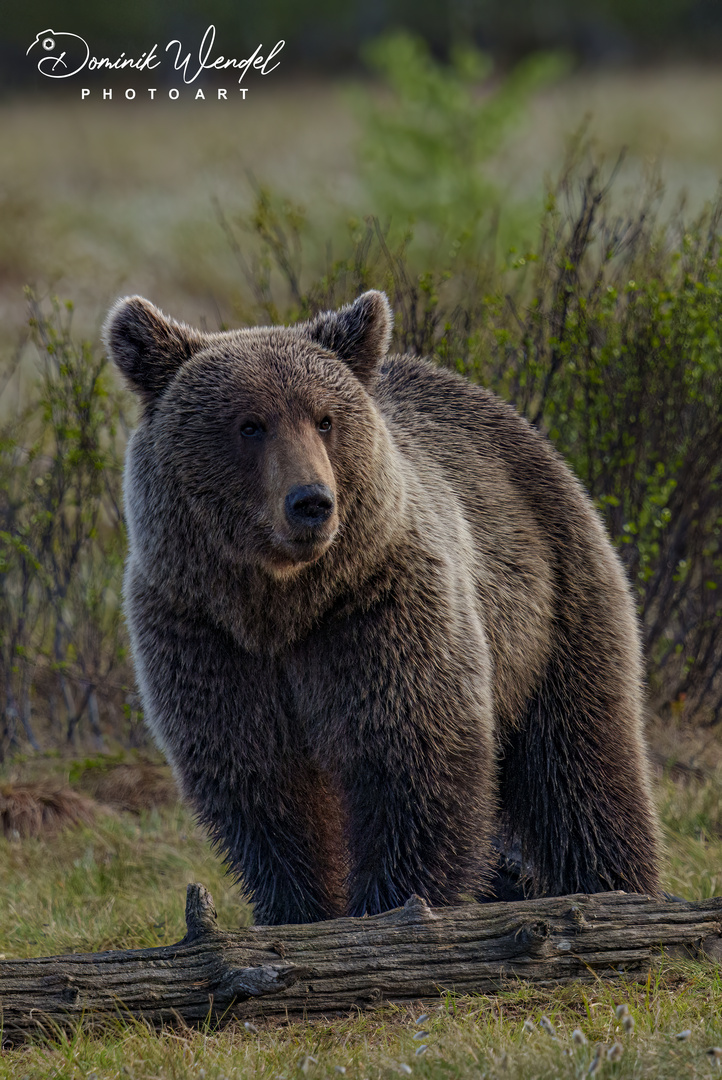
(250, 429)
(325, 424)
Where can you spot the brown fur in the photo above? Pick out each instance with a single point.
(359, 697)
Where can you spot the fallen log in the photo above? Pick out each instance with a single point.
(410, 954)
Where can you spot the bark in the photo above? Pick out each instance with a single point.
(410, 954)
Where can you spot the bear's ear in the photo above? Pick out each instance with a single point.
(146, 345)
(359, 333)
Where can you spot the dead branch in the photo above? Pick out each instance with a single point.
(405, 955)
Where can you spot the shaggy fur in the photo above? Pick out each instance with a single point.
(442, 652)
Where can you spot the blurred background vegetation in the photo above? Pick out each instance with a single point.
(536, 189)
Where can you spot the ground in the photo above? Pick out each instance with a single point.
(119, 882)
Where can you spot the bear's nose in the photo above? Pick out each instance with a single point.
(309, 505)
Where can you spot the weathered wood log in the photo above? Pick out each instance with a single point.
(409, 954)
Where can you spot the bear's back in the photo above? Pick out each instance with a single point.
(538, 539)
(452, 417)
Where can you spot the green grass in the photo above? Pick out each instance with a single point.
(692, 816)
(121, 884)
(469, 1038)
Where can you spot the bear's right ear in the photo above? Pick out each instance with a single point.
(146, 345)
(359, 333)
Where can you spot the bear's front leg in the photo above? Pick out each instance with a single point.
(215, 711)
(405, 724)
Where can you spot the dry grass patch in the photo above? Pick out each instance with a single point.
(42, 808)
(132, 786)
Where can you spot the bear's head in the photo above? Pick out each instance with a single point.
(263, 437)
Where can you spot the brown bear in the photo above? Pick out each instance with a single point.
(376, 622)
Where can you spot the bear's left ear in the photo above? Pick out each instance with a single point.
(359, 333)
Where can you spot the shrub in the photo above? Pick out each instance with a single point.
(61, 537)
(613, 346)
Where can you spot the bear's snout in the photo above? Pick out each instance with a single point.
(309, 505)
